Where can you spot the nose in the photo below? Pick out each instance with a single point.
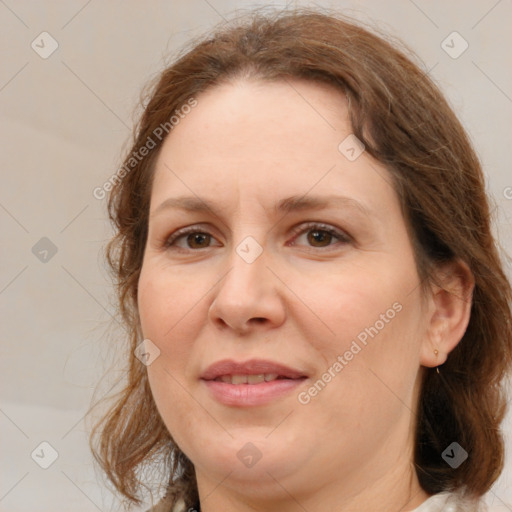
(248, 297)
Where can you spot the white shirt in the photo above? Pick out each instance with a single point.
(446, 502)
(442, 502)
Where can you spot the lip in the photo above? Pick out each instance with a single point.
(251, 394)
(251, 367)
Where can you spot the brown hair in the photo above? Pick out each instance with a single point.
(406, 124)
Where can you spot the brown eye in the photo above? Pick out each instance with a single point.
(189, 239)
(198, 240)
(319, 237)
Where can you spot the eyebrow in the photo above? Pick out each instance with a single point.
(287, 205)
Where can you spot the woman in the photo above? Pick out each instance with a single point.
(303, 242)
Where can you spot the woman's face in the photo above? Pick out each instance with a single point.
(297, 255)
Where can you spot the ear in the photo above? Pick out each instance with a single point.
(448, 312)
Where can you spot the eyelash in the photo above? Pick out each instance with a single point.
(313, 226)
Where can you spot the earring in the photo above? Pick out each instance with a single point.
(436, 352)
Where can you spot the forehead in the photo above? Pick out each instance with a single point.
(254, 138)
(266, 120)
(262, 112)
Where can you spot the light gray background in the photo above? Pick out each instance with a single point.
(65, 120)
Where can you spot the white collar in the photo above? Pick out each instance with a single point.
(442, 502)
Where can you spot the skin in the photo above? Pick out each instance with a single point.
(246, 146)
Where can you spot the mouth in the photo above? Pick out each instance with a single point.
(254, 382)
(250, 379)
(253, 371)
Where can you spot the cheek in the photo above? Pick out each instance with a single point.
(167, 319)
(166, 315)
(178, 412)
(345, 302)
(168, 308)
(369, 317)
(157, 299)
(371, 387)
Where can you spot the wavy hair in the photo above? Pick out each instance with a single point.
(405, 123)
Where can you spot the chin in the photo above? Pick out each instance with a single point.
(251, 460)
